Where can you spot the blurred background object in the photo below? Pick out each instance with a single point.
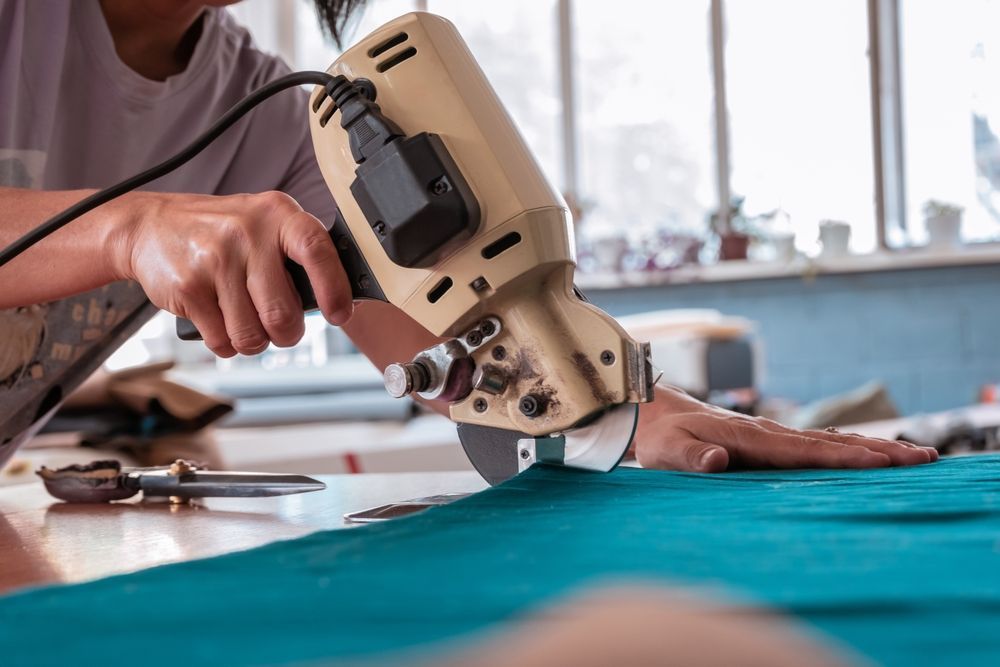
(703, 352)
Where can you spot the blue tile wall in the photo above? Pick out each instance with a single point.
(931, 335)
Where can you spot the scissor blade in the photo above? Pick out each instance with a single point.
(212, 484)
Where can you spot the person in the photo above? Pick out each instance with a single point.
(94, 91)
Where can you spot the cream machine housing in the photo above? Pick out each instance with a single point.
(449, 217)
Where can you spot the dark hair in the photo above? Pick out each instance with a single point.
(334, 16)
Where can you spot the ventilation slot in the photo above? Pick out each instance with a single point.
(378, 50)
(435, 294)
(386, 65)
(318, 99)
(328, 114)
(501, 244)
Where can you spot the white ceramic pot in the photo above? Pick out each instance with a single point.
(944, 231)
(835, 237)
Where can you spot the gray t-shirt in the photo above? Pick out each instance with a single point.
(73, 115)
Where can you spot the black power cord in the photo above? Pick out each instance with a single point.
(227, 120)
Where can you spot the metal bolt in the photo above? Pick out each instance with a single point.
(488, 328)
(489, 379)
(474, 338)
(479, 405)
(403, 379)
(343, 242)
(499, 353)
(530, 406)
(607, 357)
(398, 380)
(479, 284)
(440, 186)
(364, 282)
(379, 228)
(525, 454)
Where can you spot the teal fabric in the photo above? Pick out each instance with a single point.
(901, 564)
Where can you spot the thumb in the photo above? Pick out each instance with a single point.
(688, 455)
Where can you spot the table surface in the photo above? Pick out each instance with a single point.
(44, 541)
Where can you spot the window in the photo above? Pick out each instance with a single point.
(640, 156)
(950, 68)
(644, 110)
(800, 113)
(516, 47)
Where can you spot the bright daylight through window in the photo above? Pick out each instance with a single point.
(951, 113)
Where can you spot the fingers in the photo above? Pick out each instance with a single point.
(900, 453)
(306, 242)
(246, 333)
(687, 454)
(196, 301)
(277, 304)
(207, 317)
(754, 446)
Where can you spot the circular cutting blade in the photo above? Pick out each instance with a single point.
(601, 444)
(598, 446)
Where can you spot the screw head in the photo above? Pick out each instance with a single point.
(607, 357)
(440, 186)
(474, 338)
(525, 454)
(488, 328)
(479, 405)
(379, 228)
(499, 353)
(530, 406)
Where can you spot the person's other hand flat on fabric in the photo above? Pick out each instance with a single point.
(677, 432)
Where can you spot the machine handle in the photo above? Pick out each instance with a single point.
(359, 274)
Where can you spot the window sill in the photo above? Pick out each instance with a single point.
(800, 267)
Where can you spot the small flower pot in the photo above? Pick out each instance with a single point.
(733, 245)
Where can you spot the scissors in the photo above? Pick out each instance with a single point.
(182, 480)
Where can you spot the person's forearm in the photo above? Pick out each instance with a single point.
(385, 335)
(78, 257)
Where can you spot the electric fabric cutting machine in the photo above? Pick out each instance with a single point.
(456, 224)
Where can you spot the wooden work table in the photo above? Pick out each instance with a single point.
(45, 541)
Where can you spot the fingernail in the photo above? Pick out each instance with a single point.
(705, 462)
(340, 317)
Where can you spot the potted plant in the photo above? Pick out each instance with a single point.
(735, 231)
(944, 224)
